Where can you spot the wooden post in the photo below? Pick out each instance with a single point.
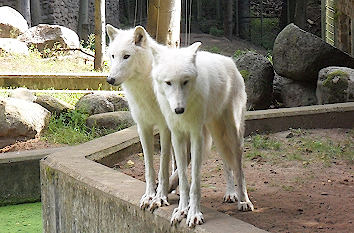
(323, 19)
(100, 40)
(244, 20)
(36, 12)
(83, 20)
(164, 21)
(24, 7)
(300, 13)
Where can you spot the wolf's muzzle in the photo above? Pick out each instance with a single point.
(110, 80)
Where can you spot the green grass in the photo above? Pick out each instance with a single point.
(25, 218)
(70, 128)
(70, 98)
(302, 147)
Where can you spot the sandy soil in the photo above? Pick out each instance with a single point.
(307, 194)
(30, 144)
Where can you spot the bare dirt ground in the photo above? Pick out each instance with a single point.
(299, 181)
(31, 144)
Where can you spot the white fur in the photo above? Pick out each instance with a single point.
(211, 91)
(131, 63)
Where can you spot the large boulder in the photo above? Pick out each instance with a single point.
(111, 120)
(258, 74)
(335, 85)
(13, 46)
(119, 102)
(293, 93)
(94, 104)
(23, 94)
(300, 55)
(53, 105)
(46, 36)
(12, 23)
(21, 118)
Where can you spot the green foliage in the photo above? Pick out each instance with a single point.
(265, 142)
(213, 49)
(215, 31)
(90, 43)
(245, 74)
(21, 218)
(265, 35)
(70, 98)
(70, 128)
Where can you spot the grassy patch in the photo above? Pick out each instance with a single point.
(70, 98)
(265, 142)
(21, 218)
(70, 128)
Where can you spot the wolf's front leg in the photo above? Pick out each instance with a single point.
(195, 216)
(147, 142)
(162, 190)
(179, 147)
(230, 194)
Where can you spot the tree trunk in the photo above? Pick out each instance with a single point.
(36, 12)
(300, 16)
(244, 19)
(218, 9)
(100, 39)
(283, 21)
(164, 21)
(199, 10)
(83, 20)
(24, 7)
(228, 7)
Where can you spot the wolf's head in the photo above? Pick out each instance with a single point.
(174, 73)
(128, 54)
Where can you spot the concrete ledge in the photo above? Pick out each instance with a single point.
(309, 117)
(80, 195)
(71, 81)
(19, 172)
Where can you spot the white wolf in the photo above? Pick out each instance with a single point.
(131, 64)
(197, 90)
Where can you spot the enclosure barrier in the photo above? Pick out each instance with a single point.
(81, 195)
(61, 81)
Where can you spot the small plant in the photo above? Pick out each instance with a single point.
(215, 31)
(90, 43)
(213, 49)
(245, 74)
(265, 143)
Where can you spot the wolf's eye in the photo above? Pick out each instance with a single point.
(126, 56)
(185, 82)
(168, 83)
(112, 56)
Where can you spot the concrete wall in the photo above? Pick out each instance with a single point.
(79, 195)
(66, 12)
(19, 174)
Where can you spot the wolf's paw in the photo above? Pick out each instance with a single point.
(158, 201)
(245, 206)
(146, 200)
(230, 197)
(194, 218)
(178, 215)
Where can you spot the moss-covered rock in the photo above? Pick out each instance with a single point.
(335, 85)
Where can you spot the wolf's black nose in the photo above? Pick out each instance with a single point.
(110, 80)
(179, 110)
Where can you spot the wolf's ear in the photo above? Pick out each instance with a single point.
(140, 36)
(194, 49)
(111, 31)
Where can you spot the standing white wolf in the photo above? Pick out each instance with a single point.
(131, 64)
(197, 90)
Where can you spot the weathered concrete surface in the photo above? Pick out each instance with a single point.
(308, 117)
(79, 195)
(69, 81)
(19, 176)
